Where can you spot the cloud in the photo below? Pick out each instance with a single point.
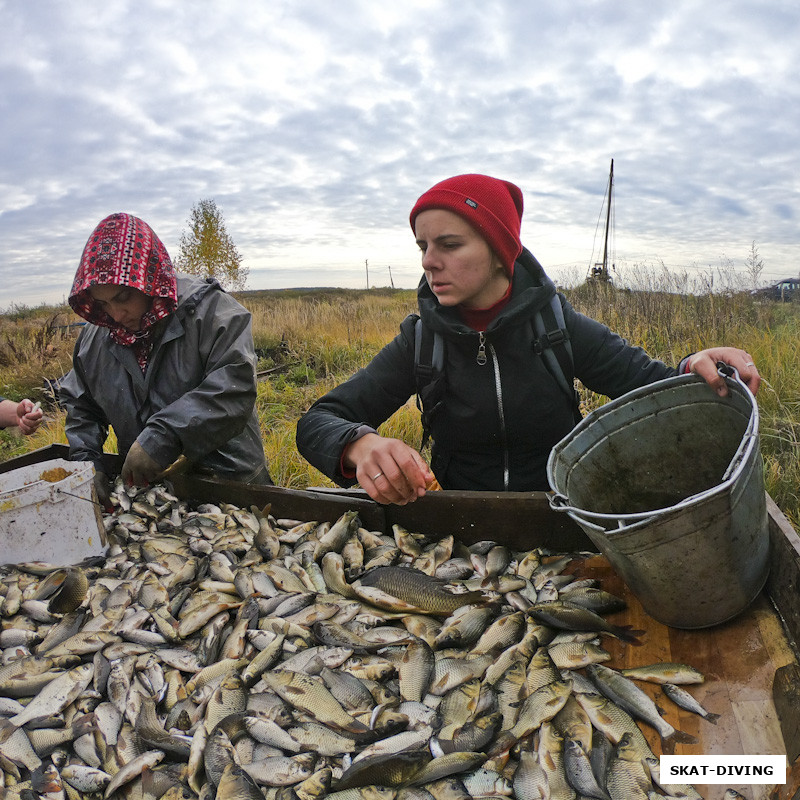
(315, 126)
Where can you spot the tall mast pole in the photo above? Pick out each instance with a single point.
(608, 221)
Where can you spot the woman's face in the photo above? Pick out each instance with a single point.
(124, 304)
(459, 265)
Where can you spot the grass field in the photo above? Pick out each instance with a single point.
(310, 340)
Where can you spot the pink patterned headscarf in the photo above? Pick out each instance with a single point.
(123, 250)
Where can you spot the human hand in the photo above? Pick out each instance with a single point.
(388, 470)
(102, 488)
(29, 416)
(704, 364)
(139, 469)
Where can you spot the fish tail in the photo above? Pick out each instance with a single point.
(504, 742)
(682, 737)
(712, 718)
(628, 634)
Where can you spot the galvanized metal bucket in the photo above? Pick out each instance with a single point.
(667, 481)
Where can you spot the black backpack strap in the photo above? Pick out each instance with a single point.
(428, 374)
(551, 342)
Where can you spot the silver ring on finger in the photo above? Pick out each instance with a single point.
(375, 477)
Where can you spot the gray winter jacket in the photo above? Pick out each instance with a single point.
(196, 398)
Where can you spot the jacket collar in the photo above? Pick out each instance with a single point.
(531, 289)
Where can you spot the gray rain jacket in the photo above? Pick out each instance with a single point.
(196, 398)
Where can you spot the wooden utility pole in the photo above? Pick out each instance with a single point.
(366, 264)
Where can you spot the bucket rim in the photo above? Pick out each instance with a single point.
(560, 502)
(39, 489)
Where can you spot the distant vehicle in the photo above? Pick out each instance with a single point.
(784, 290)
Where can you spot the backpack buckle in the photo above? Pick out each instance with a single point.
(556, 337)
(550, 339)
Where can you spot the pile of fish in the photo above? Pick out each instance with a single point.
(218, 652)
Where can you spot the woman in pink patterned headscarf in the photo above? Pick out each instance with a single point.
(125, 282)
(167, 361)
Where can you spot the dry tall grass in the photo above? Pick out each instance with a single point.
(310, 340)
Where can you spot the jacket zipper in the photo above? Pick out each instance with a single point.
(498, 389)
(481, 348)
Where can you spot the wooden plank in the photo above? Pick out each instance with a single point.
(791, 789)
(35, 457)
(521, 520)
(786, 696)
(783, 583)
(739, 659)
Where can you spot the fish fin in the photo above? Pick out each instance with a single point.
(712, 718)
(668, 746)
(7, 729)
(83, 725)
(357, 727)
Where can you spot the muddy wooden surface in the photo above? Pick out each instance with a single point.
(739, 659)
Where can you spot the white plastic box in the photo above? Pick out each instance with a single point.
(54, 521)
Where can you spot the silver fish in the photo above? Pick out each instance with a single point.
(578, 770)
(632, 699)
(236, 784)
(281, 770)
(57, 695)
(667, 672)
(686, 701)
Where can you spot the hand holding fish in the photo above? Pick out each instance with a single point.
(29, 416)
(388, 470)
(704, 364)
(139, 468)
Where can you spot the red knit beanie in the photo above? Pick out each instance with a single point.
(493, 207)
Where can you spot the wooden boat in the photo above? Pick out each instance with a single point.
(751, 662)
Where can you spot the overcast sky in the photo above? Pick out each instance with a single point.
(314, 126)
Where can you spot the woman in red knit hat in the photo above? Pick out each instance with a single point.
(501, 408)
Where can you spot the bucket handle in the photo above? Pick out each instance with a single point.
(559, 502)
(749, 437)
